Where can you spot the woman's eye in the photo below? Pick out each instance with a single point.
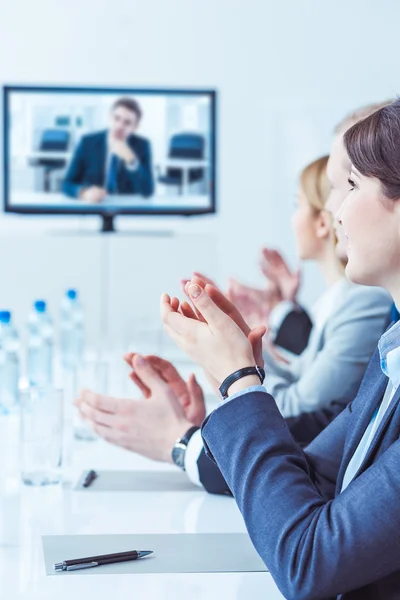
(351, 184)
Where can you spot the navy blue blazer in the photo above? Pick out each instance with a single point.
(316, 542)
(88, 167)
(293, 335)
(304, 428)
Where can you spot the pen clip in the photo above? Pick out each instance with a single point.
(82, 566)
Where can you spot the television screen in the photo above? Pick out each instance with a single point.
(109, 151)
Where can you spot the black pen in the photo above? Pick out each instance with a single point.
(96, 561)
(90, 477)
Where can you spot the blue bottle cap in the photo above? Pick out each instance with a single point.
(40, 306)
(72, 294)
(5, 316)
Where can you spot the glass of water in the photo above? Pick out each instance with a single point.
(92, 375)
(41, 435)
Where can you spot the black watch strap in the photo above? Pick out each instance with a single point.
(185, 439)
(226, 384)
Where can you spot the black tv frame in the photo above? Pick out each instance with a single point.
(108, 214)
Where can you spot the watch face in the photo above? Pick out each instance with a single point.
(178, 455)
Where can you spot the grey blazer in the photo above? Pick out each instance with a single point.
(349, 321)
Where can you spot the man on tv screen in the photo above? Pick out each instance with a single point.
(114, 161)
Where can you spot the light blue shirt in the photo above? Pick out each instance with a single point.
(252, 388)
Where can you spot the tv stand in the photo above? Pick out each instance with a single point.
(107, 224)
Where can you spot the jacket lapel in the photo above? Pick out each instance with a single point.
(380, 431)
(371, 390)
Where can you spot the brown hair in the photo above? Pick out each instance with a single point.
(314, 183)
(129, 104)
(373, 146)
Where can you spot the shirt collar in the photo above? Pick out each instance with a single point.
(389, 350)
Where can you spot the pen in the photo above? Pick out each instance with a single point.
(96, 561)
(90, 477)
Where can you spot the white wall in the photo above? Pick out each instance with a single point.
(286, 71)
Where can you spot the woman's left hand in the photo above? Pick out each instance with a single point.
(217, 344)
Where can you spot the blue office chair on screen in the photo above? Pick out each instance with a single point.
(184, 146)
(52, 140)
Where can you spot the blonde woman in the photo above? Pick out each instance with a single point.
(348, 319)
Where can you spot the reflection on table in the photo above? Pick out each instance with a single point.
(27, 513)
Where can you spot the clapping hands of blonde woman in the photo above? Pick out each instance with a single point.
(253, 303)
(276, 270)
(216, 336)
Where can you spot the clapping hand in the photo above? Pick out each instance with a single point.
(276, 270)
(149, 426)
(189, 394)
(215, 336)
(253, 303)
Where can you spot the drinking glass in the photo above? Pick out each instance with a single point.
(93, 374)
(41, 435)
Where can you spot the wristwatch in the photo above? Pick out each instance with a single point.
(179, 450)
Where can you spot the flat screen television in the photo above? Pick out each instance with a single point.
(109, 151)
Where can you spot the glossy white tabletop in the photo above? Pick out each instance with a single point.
(27, 513)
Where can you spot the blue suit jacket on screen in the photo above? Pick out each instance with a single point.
(88, 167)
(318, 543)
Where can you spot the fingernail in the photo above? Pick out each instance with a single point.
(140, 361)
(194, 291)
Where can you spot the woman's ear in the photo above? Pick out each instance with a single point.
(323, 223)
(396, 210)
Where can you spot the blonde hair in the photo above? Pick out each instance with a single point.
(316, 188)
(314, 183)
(358, 115)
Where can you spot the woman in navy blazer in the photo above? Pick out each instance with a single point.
(325, 520)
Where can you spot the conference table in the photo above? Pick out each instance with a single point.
(27, 513)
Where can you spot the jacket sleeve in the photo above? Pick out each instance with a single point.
(314, 547)
(339, 366)
(74, 177)
(304, 428)
(210, 476)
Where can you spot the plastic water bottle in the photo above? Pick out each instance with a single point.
(40, 345)
(9, 363)
(71, 331)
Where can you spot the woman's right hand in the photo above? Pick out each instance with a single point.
(216, 342)
(200, 276)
